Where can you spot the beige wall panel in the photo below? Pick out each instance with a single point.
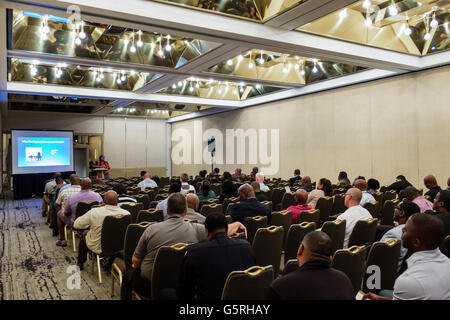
(156, 143)
(114, 142)
(135, 145)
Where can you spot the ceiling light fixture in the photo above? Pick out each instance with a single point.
(44, 28)
(366, 4)
(261, 59)
(139, 42)
(174, 86)
(240, 58)
(168, 46)
(257, 86)
(230, 62)
(434, 23)
(133, 47)
(343, 14)
(82, 33)
(393, 11)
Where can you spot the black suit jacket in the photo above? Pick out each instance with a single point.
(249, 208)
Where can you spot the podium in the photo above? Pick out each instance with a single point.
(100, 172)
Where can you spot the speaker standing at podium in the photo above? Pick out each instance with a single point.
(102, 163)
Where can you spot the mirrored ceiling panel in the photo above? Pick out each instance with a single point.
(50, 72)
(156, 110)
(57, 35)
(254, 10)
(214, 89)
(281, 68)
(408, 26)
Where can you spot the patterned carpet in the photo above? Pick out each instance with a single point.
(32, 267)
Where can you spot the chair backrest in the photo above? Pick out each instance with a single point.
(287, 200)
(150, 215)
(351, 261)
(150, 192)
(309, 216)
(132, 236)
(83, 207)
(363, 233)
(253, 224)
(113, 233)
(324, 205)
(167, 268)
(295, 236)
(277, 195)
(338, 204)
(164, 181)
(226, 202)
(383, 255)
(269, 204)
(231, 204)
(267, 246)
(445, 246)
(229, 219)
(373, 208)
(209, 201)
(144, 199)
(217, 188)
(133, 209)
(161, 196)
(154, 204)
(251, 284)
(291, 265)
(389, 195)
(282, 219)
(378, 196)
(336, 231)
(387, 213)
(208, 209)
(239, 235)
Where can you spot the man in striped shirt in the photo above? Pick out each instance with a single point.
(121, 191)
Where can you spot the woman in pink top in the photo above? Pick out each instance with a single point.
(300, 198)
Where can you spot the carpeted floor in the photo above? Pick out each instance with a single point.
(32, 267)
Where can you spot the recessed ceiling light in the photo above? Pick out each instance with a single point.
(230, 62)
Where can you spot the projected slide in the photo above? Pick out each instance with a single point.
(33, 152)
(42, 151)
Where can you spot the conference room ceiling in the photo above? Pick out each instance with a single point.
(178, 59)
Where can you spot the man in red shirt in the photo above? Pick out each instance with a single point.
(301, 196)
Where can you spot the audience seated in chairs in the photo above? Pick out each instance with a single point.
(237, 174)
(324, 189)
(442, 207)
(95, 179)
(61, 201)
(413, 195)
(301, 196)
(193, 203)
(343, 179)
(121, 191)
(248, 206)
(259, 177)
(171, 231)
(373, 185)
(259, 195)
(206, 265)
(305, 184)
(314, 279)
(147, 182)
(174, 188)
(354, 213)
(205, 191)
(430, 183)
(399, 184)
(93, 219)
(185, 186)
(402, 212)
(49, 190)
(365, 195)
(427, 276)
(228, 191)
(295, 178)
(53, 218)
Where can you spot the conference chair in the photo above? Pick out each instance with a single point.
(267, 246)
(144, 199)
(363, 233)
(154, 203)
(231, 205)
(277, 195)
(161, 196)
(253, 224)
(217, 188)
(389, 195)
(287, 200)
(133, 209)
(208, 209)
(295, 236)
(239, 235)
(209, 201)
(378, 196)
(150, 192)
(282, 219)
(338, 204)
(150, 215)
(164, 181)
(163, 190)
(112, 239)
(131, 240)
(325, 206)
(383, 255)
(290, 266)
(268, 193)
(311, 216)
(351, 261)
(226, 202)
(445, 246)
(336, 231)
(387, 213)
(229, 219)
(167, 268)
(268, 203)
(134, 189)
(251, 284)
(337, 191)
(373, 208)
(82, 208)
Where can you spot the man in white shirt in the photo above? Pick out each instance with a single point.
(185, 186)
(365, 197)
(427, 276)
(174, 188)
(147, 182)
(93, 219)
(354, 213)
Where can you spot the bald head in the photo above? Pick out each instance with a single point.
(256, 187)
(259, 177)
(192, 201)
(86, 184)
(430, 181)
(316, 245)
(146, 176)
(111, 198)
(353, 197)
(301, 196)
(246, 191)
(360, 184)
